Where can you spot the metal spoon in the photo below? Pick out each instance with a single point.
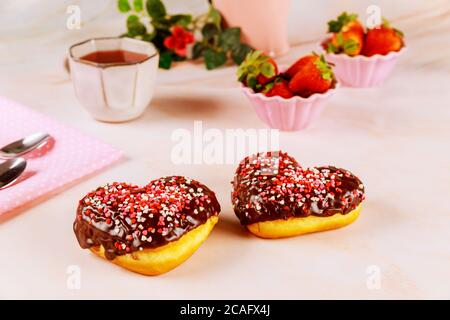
(25, 145)
(11, 170)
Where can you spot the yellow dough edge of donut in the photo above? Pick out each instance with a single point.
(296, 226)
(160, 260)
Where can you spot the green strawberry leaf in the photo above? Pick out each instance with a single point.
(333, 26)
(331, 48)
(156, 9)
(149, 36)
(256, 63)
(132, 18)
(252, 83)
(239, 53)
(350, 46)
(267, 70)
(399, 33)
(343, 19)
(138, 5)
(135, 27)
(340, 39)
(165, 60)
(385, 23)
(181, 19)
(325, 70)
(269, 86)
(124, 6)
(197, 50)
(176, 57)
(230, 38)
(162, 25)
(209, 31)
(214, 17)
(214, 59)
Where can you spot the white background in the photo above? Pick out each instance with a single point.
(395, 138)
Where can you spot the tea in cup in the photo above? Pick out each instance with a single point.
(114, 78)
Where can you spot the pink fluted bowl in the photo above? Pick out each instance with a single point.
(291, 114)
(361, 71)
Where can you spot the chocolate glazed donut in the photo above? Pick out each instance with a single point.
(150, 229)
(273, 196)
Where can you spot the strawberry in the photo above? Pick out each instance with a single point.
(348, 35)
(279, 87)
(382, 40)
(299, 64)
(315, 77)
(262, 79)
(257, 70)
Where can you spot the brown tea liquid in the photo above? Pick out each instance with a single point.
(114, 56)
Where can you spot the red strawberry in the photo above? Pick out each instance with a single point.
(257, 70)
(291, 72)
(279, 87)
(316, 77)
(348, 35)
(382, 40)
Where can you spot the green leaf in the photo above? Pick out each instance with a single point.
(269, 86)
(214, 59)
(267, 69)
(132, 18)
(334, 26)
(124, 6)
(197, 50)
(149, 36)
(325, 69)
(135, 27)
(239, 53)
(252, 82)
(176, 57)
(181, 19)
(340, 39)
(214, 17)
(162, 24)
(350, 46)
(209, 30)
(331, 48)
(230, 38)
(138, 5)
(343, 19)
(156, 9)
(165, 60)
(399, 33)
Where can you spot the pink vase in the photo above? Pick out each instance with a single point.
(263, 22)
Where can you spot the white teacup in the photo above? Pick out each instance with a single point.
(114, 92)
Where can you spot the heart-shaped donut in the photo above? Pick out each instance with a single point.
(274, 197)
(150, 229)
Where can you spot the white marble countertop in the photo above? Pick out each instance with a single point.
(395, 138)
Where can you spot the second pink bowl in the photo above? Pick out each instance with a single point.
(362, 71)
(292, 114)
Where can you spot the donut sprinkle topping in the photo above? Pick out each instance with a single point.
(124, 218)
(272, 185)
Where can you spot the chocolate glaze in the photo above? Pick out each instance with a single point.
(272, 186)
(124, 218)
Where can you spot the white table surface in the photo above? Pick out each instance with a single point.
(395, 138)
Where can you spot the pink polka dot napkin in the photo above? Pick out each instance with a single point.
(72, 156)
